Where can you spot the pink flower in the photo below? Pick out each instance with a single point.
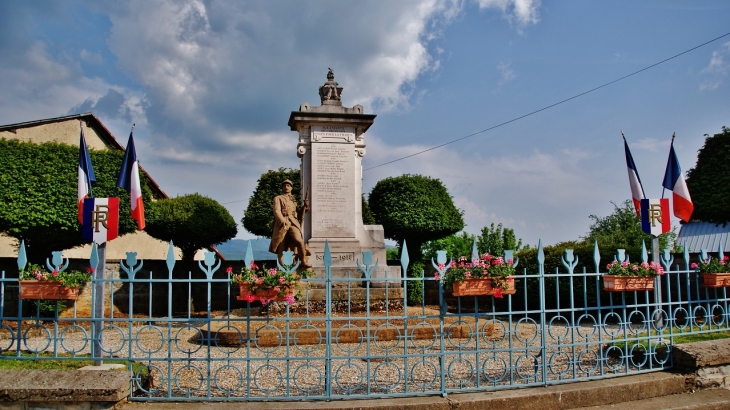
(441, 266)
(277, 288)
(467, 274)
(437, 276)
(498, 293)
(453, 263)
(726, 258)
(634, 268)
(510, 279)
(272, 271)
(38, 276)
(229, 270)
(54, 273)
(475, 261)
(693, 266)
(90, 270)
(289, 299)
(487, 257)
(645, 265)
(265, 301)
(625, 263)
(281, 279)
(260, 281)
(250, 298)
(254, 266)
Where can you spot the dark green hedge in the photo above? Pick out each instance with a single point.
(38, 189)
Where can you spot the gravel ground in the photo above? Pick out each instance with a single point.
(500, 355)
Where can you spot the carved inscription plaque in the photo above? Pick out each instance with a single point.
(337, 257)
(333, 190)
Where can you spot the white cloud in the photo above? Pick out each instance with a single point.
(506, 74)
(717, 69)
(540, 195)
(91, 57)
(522, 13)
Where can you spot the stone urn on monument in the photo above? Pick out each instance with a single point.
(331, 147)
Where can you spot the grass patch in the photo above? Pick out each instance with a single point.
(46, 361)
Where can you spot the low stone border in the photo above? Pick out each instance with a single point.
(78, 389)
(708, 363)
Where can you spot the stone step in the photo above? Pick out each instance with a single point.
(701, 400)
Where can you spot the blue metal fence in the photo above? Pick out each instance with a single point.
(341, 348)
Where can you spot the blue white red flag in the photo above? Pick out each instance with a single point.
(637, 190)
(655, 216)
(674, 181)
(101, 219)
(129, 179)
(86, 175)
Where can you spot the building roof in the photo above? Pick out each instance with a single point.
(102, 131)
(696, 236)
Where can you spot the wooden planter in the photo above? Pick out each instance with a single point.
(715, 280)
(479, 287)
(47, 290)
(613, 283)
(269, 294)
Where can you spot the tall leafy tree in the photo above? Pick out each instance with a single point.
(622, 230)
(38, 185)
(708, 180)
(414, 208)
(191, 222)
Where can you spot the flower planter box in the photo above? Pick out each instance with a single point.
(49, 290)
(715, 280)
(479, 287)
(269, 294)
(613, 283)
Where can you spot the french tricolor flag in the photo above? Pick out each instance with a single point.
(86, 175)
(674, 181)
(129, 179)
(637, 190)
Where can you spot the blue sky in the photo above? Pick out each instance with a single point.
(211, 84)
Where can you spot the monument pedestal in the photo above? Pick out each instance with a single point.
(331, 147)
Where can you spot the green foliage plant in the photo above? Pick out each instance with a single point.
(191, 222)
(500, 271)
(258, 217)
(714, 265)
(70, 279)
(626, 268)
(415, 287)
(496, 240)
(414, 208)
(454, 244)
(622, 230)
(262, 279)
(38, 184)
(709, 179)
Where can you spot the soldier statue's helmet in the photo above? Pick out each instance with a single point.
(286, 181)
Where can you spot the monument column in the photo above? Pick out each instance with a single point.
(331, 147)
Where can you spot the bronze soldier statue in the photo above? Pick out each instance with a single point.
(287, 232)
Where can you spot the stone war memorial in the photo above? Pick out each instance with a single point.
(331, 147)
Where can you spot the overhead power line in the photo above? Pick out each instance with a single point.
(549, 106)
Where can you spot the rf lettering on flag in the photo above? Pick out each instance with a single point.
(101, 219)
(655, 216)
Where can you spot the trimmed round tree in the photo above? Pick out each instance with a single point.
(258, 216)
(709, 179)
(191, 222)
(414, 208)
